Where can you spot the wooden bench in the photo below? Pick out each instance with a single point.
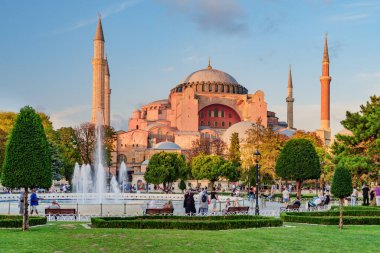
(159, 211)
(54, 211)
(237, 210)
(290, 208)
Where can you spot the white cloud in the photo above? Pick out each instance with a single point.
(71, 116)
(349, 17)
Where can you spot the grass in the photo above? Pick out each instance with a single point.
(73, 237)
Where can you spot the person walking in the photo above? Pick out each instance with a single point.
(21, 203)
(285, 196)
(251, 196)
(377, 193)
(365, 191)
(214, 198)
(354, 196)
(33, 202)
(203, 202)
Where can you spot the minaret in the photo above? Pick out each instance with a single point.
(98, 67)
(325, 131)
(290, 99)
(107, 94)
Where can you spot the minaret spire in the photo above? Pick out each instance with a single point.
(290, 99)
(326, 51)
(99, 30)
(107, 93)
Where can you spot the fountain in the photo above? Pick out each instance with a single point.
(123, 175)
(115, 185)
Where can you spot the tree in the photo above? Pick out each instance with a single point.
(341, 188)
(85, 141)
(27, 162)
(182, 185)
(359, 147)
(165, 168)
(230, 170)
(298, 161)
(234, 150)
(270, 144)
(69, 151)
(207, 167)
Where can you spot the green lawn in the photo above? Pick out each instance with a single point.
(73, 237)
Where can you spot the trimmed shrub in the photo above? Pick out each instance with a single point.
(14, 221)
(351, 217)
(187, 222)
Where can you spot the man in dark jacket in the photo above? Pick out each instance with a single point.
(365, 190)
(189, 203)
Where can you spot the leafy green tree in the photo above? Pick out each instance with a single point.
(27, 161)
(207, 167)
(359, 147)
(230, 170)
(341, 188)
(234, 150)
(298, 161)
(69, 151)
(165, 168)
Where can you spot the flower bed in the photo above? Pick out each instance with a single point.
(187, 222)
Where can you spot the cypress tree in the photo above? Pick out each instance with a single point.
(27, 162)
(341, 187)
(234, 150)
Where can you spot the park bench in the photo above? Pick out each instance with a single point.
(159, 211)
(59, 212)
(290, 208)
(237, 210)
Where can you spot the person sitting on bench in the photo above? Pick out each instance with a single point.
(54, 205)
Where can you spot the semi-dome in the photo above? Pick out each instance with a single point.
(167, 145)
(210, 75)
(240, 128)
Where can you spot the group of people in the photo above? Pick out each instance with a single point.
(370, 196)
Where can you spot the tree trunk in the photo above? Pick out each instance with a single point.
(25, 222)
(341, 214)
(299, 188)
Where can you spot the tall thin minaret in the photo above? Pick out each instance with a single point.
(325, 131)
(290, 99)
(98, 68)
(107, 94)
(325, 89)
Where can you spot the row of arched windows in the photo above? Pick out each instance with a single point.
(222, 88)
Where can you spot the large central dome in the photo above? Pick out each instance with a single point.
(210, 75)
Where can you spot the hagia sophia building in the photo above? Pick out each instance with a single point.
(208, 103)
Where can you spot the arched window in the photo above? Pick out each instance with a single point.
(222, 113)
(223, 124)
(216, 88)
(202, 123)
(216, 112)
(222, 88)
(208, 123)
(228, 89)
(216, 123)
(137, 126)
(159, 136)
(233, 89)
(203, 87)
(209, 87)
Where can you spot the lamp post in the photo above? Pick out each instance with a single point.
(257, 157)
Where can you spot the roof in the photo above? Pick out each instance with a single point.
(167, 145)
(210, 75)
(240, 128)
(99, 31)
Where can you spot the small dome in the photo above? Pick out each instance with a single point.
(167, 145)
(345, 132)
(287, 131)
(240, 128)
(210, 75)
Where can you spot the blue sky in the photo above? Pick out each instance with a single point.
(46, 50)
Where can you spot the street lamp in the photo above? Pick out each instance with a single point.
(257, 158)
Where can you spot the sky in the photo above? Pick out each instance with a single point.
(46, 49)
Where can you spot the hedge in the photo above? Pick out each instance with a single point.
(358, 208)
(186, 222)
(350, 217)
(14, 221)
